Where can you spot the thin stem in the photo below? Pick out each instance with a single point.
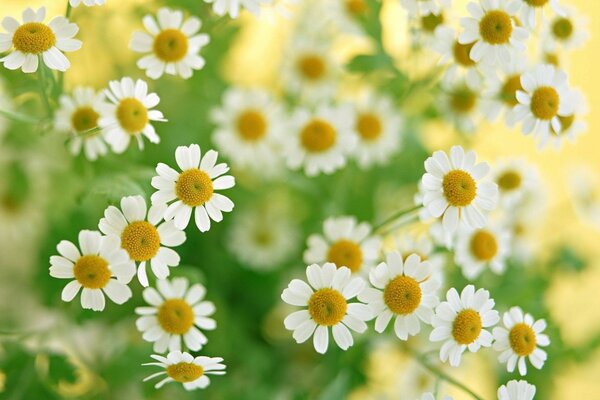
(69, 8)
(61, 75)
(43, 87)
(395, 217)
(18, 117)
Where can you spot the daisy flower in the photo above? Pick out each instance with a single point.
(422, 246)
(572, 125)
(176, 313)
(345, 243)
(79, 114)
(493, 31)
(87, 3)
(456, 56)
(34, 41)
(130, 114)
(145, 240)
(184, 368)
(232, 7)
(566, 31)
(481, 248)
(460, 102)
(515, 178)
(172, 44)
(101, 267)
(193, 189)
(404, 290)
(417, 8)
(529, 9)
(326, 306)
(516, 390)
(460, 320)
(519, 339)
(454, 189)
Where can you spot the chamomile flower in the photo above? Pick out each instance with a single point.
(101, 267)
(129, 114)
(403, 290)
(172, 43)
(146, 240)
(530, 8)
(176, 312)
(345, 243)
(319, 142)
(483, 248)
(520, 339)
(431, 396)
(456, 56)
(422, 246)
(416, 8)
(460, 321)
(327, 305)
(460, 102)
(516, 390)
(194, 188)
(33, 40)
(515, 178)
(78, 114)
(182, 367)
(567, 31)
(454, 189)
(87, 3)
(571, 126)
(233, 7)
(493, 31)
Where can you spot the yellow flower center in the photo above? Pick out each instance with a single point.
(194, 187)
(346, 253)
(462, 53)
(522, 339)
(509, 180)
(565, 123)
(536, 3)
(84, 119)
(496, 27)
(263, 237)
(551, 58)
(317, 136)
(33, 38)
(251, 125)
(466, 326)
(176, 316)
(92, 271)
(185, 372)
(431, 21)
(402, 295)
(356, 7)
(311, 67)
(545, 103)
(327, 307)
(141, 240)
(132, 115)
(484, 245)
(170, 45)
(463, 100)
(562, 28)
(369, 126)
(459, 188)
(508, 92)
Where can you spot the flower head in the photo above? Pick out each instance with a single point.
(182, 367)
(516, 390)
(477, 249)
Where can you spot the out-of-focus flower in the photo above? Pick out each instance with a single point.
(529, 9)
(566, 31)
(418, 8)
(184, 368)
(572, 125)
(481, 248)
(456, 56)
(516, 390)
(421, 245)
(232, 7)
(87, 3)
(583, 187)
(34, 40)
(460, 102)
(515, 179)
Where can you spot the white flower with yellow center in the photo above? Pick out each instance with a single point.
(566, 31)
(79, 114)
(345, 243)
(87, 3)
(327, 306)
(404, 290)
(516, 390)
(427, 26)
(454, 189)
(176, 313)
(493, 31)
(194, 188)
(416, 8)
(145, 240)
(480, 248)
(460, 320)
(182, 367)
(456, 56)
(101, 267)
(130, 114)
(571, 125)
(460, 102)
(233, 7)
(34, 40)
(172, 43)
(530, 8)
(520, 339)
(515, 179)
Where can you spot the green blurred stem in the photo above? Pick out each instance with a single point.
(43, 86)
(395, 217)
(61, 75)
(18, 117)
(69, 8)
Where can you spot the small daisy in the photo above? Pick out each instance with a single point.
(172, 43)
(516, 390)
(101, 267)
(460, 102)
(345, 243)
(404, 290)
(493, 29)
(79, 114)
(456, 56)
(454, 189)
(145, 240)
(193, 188)
(566, 31)
(232, 7)
(184, 368)
(431, 396)
(327, 306)
(459, 322)
(519, 339)
(130, 114)
(529, 9)
(87, 3)
(34, 41)
(572, 125)
(481, 248)
(421, 245)
(418, 8)
(515, 178)
(176, 313)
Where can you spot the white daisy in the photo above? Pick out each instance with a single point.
(184, 368)
(345, 243)
(459, 323)
(529, 8)
(404, 290)
(566, 31)
(87, 3)
(193, 188)
(34, 41)
(430, 396)
(515, 179)
(520, 339)
(321, 141)
(327, 306)
(479, 249)
(145, 240)
(418, 8)
(78, 114)
(460, 102)
(176, 313)
(130, 114)
(421, 245)
(232, 7)
(101, 267)
(454, 189)
(516, 390)
(456, 56)
(172, 43)
(493, 29)
(572, 125)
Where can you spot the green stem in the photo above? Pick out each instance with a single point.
(19, 117)
(395, 217)
(69, 8)
(61, 75)
(43, 87)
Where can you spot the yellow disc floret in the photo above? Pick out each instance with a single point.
(356, 7)
(84, 119)
(522, 339)
(251, 125)
(462, 53)
(194, 187)
(141, 240)
(402, 295)
(508, 92)
(317, 136)
(346, 253)
(132, 115)
(311, 67)
(466, 326)
(536, 3)
(484, 245)
(176, 316)
(496, 27)
(327, 307)
(431, 21)
(170, 45)
(368, 126)
(463, 100)
(545, 102)
(185, 372)
(33, 38)
(509, 180)
(459, 188)
(92, 271)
